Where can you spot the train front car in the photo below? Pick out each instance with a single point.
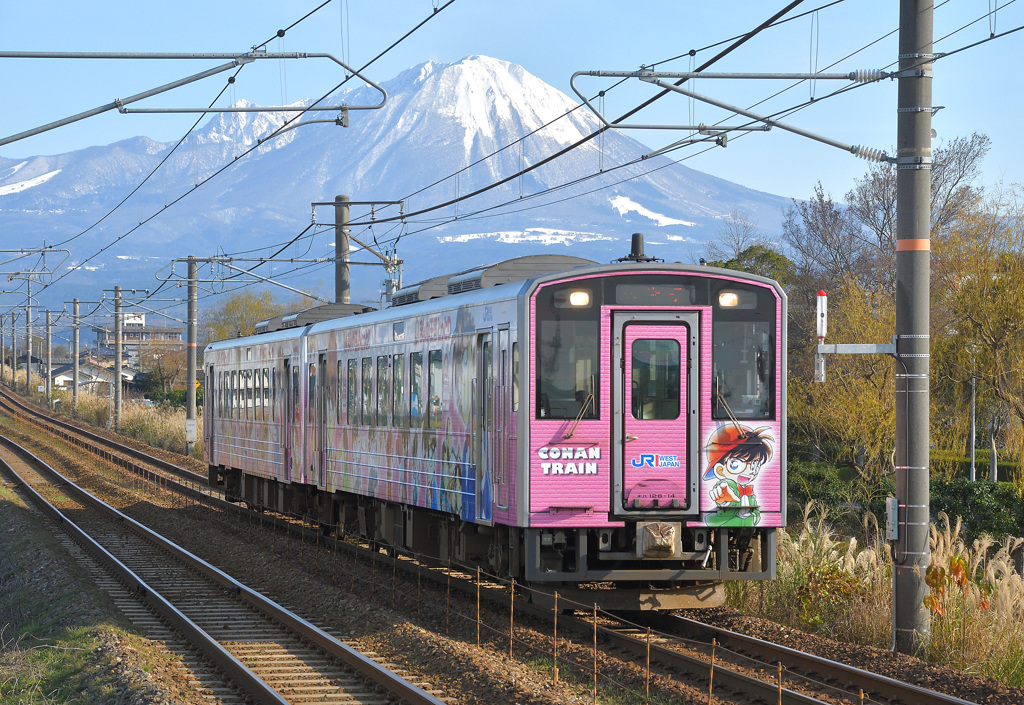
(655, 433)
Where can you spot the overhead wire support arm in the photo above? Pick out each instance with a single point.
(654, 78)
(235, 61)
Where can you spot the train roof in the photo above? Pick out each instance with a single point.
(526, 271)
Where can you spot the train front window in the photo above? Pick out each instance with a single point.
(654, 379)
(743, 353)
(568, 354)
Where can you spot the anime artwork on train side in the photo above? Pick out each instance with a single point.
(735, 455)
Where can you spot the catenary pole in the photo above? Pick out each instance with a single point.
(911, 619)
(3, 349)
(74, 359)
(28, 340)
(341, 251)
(190, 408)
(14, 350)
(117, 357)
(49, 361)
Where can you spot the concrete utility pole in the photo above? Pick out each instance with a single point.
(28, 340)
(74, 360)
(49, 361)
(117, 358)
(911, 619)
(14, 347)
(3, 350)
(190, 408)
(342, 276)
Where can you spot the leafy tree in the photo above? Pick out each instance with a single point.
(238, 315)
(764, 261)
(978, 296)
(850, 417)
(850, 251)
(164, 367)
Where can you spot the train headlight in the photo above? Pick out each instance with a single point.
(737, 298)
(572, 298)
(579, 298)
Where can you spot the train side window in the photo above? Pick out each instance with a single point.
(367, 391)
(655, 379)
(434, 390)
(515, 376)
(398, 385)
(341, 389)
(352, 389)
(383, 395)
(416, 389)
(257, 394)
(273, 393)
(220, 395)
(294, 409)
(266, 394)
(233, 395)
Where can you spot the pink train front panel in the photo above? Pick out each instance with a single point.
(570, 465)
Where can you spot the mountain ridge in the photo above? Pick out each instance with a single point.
(439, 120)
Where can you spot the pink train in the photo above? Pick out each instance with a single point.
(613, 432)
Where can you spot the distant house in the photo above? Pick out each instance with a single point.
(90, 377)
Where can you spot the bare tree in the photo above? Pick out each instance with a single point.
(737, 233)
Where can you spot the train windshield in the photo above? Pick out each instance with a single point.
(743, 353)
(567, 360)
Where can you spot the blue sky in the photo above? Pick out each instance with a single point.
(979, 88)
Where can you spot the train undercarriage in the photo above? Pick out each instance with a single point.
(600, 566)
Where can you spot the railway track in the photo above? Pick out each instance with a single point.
(266, 652)
(748, 668)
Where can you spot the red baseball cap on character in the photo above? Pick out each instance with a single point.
(733, 439)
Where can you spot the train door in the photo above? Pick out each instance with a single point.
(321, 422)
(503, 419)
(289, 419)
(656, 412)
(210, 410)
(483, 426)
(311, 426)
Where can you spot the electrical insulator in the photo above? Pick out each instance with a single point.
(867, 75)
(869, 153)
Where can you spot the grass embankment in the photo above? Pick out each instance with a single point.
(842, 589)
(52, 625)
(158, 426)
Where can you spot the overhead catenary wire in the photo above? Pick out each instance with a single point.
(298, 115)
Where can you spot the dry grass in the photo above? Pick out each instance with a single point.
(838, 588)
(160, 427)
(977, 604)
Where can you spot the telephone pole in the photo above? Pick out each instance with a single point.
(342, 276)
(117, 358)
(49, 361)
(911, 619)
(190, 394)
(74, 360)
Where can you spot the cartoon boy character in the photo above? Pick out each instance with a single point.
(735, 455)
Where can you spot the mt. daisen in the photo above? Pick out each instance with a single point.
(439, 119)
